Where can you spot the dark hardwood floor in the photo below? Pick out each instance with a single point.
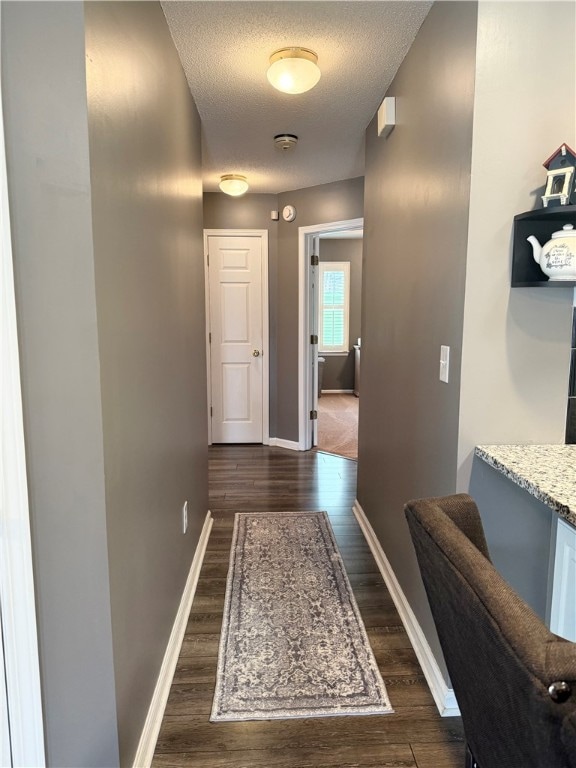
(250, 478)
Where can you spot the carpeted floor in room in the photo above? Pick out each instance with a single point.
(338, 425)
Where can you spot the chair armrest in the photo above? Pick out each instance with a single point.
(463, 512)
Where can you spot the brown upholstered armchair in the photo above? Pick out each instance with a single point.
(515, 681)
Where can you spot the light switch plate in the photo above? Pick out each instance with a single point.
(444, 363)
(185, 517)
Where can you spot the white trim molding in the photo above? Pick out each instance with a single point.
(443, 695)
(263, 235)
(306, 387)
(278, 442)
(17, 597)
(149, 737)
(337, 391)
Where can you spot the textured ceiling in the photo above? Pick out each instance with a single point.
(224, 48)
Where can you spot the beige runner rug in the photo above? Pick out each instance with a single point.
(293, 643)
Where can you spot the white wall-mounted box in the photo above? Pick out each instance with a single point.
(386, 116)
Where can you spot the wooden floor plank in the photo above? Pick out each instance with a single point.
(204, 623)
(391, 636)
(205, 644)
(261, 479)
(441, 755)
(195, 669)
(387, 756)
(410, 724)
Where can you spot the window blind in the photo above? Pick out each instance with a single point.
(334, 301)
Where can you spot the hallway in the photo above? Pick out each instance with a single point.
(257, 478)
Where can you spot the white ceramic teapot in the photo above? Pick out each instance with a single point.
(557, 258)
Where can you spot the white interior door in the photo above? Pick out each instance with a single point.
(314, 329)
(307, 359)
(237, 348)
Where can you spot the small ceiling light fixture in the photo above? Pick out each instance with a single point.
(285, 141)
(293, 70)
(233, 184)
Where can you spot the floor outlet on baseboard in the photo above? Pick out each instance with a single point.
(185, 517)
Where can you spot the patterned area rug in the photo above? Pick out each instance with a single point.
(293, 643)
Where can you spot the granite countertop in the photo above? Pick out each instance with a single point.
(547, 472)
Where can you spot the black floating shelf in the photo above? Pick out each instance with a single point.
(541, 223)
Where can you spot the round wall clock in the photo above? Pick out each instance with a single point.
(289, 213)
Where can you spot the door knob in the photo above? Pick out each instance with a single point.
(256, 353)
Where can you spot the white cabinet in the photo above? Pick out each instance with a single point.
(563, 612)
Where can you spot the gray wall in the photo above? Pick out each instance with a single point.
(516, 348)
(415, 237)
(147, 219)
(338, 201)
(252, 212)
(315, 205)
(49, 185)
(105, 192)
(339, 369)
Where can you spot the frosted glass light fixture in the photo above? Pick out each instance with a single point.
(293, 70)
(233, 184)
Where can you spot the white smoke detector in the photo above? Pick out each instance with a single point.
(285, 141)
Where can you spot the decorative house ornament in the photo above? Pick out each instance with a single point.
(560, 179)
(557, 258)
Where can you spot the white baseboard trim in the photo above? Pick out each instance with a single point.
(278, 442)
(337, 391)
(443, 695)
(149, 737)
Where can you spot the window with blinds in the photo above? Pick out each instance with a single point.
(334, 303)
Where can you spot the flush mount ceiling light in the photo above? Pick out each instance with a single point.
(293, 70)
(233, 184)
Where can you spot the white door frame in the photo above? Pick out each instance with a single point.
(307, 396)
(263, 235)
(5, 748)
(16, 576)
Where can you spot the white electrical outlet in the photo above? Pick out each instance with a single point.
(185, 517)
(444, 363)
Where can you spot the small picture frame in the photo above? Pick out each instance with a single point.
(558, 186)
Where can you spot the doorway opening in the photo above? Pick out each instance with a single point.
(338, 425)
(329, 330)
